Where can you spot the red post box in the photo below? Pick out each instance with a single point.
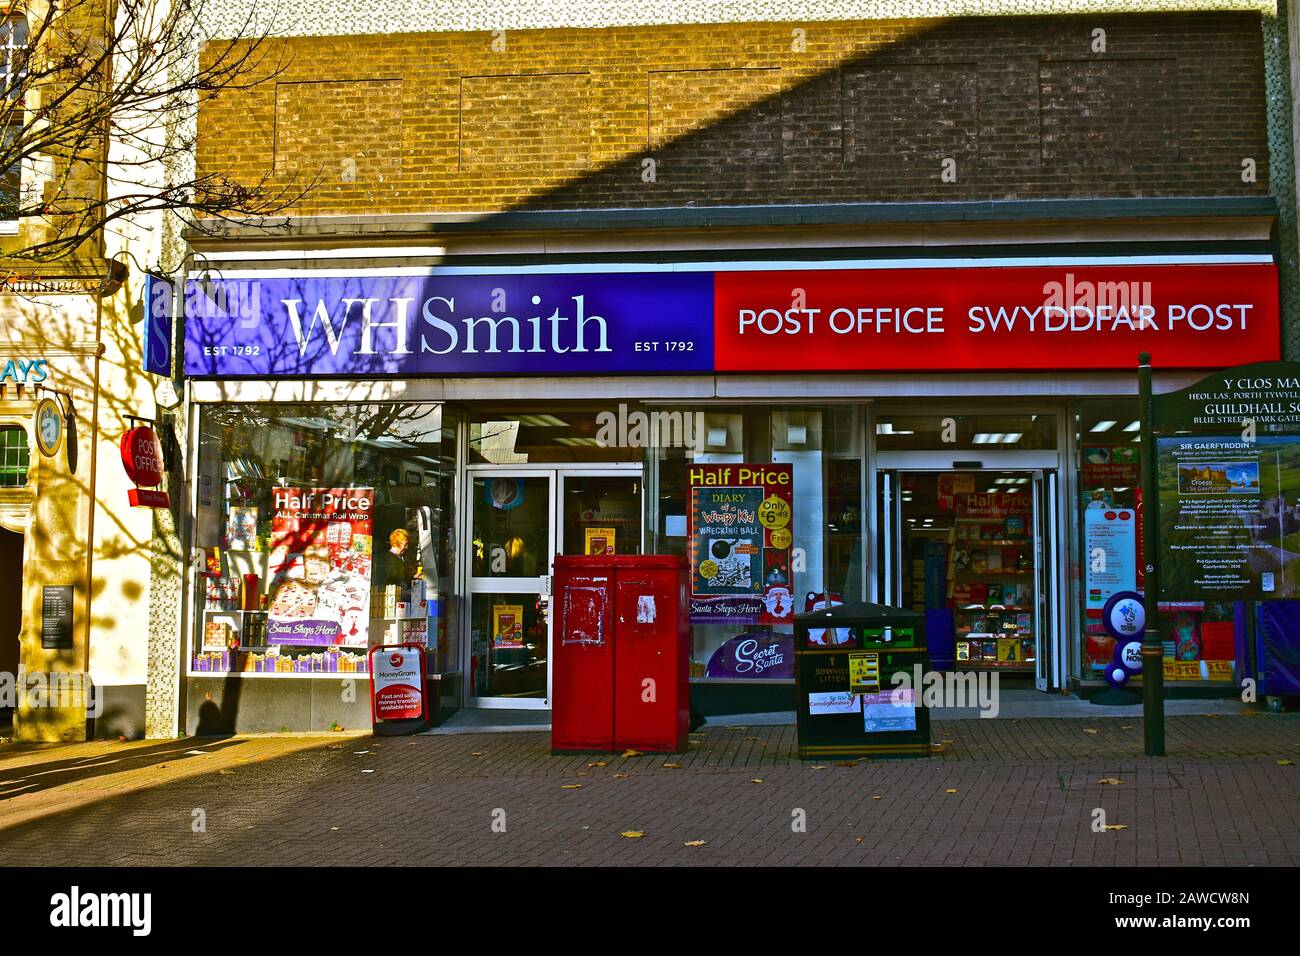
(582, 654)
(651, 653)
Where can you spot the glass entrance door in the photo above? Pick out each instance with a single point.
(518, 520)
(511, 539)
(972, 550)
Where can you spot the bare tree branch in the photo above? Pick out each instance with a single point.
(99, 103)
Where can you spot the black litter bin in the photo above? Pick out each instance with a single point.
(848, 702)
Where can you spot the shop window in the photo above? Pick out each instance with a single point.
(1198, 636)
(15, 458)
(326, 530)
(964, 432)
(587, 434)
(13, 73)
(767, 506)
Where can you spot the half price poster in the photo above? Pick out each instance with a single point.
(321, 555)
(741, 531)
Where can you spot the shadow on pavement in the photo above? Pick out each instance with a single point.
(45, 775)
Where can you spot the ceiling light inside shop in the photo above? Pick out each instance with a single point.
(1010, 438)
(579, 440)
(1104, 426)
(887, 428)
(716, 437)
(1133, 427)
(542, 421)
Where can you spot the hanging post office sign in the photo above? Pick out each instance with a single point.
(142, 458)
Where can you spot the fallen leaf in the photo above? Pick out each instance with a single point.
(571, 786)
(620, 776)
(819, 766)
(1111, 781)
(632, 753)
(367, 771)
(633, 834)
(951, 790)
(598, 763)
(673, 766)
(695, 843)
(846, 763)
(1089, 730)
(477, 753)
(756, 780)
(1285, 763)
(1115, 826)
(876, 798)
(228, 773)
(857, 839)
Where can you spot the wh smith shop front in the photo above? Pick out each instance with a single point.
(390, 452)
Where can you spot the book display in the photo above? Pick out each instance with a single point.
(971, 551)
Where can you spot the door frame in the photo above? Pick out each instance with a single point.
(1044, 469)
(469, 585)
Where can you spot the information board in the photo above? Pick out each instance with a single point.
(1227, 460)
(56, 617)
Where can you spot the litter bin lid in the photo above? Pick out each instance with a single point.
(860, 613)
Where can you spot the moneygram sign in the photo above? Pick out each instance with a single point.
(686, 318)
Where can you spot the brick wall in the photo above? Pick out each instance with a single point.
(861, 111)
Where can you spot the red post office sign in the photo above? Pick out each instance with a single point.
(398, 687)
(998, 318)
(142, 457)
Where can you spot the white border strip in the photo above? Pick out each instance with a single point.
(818, 265)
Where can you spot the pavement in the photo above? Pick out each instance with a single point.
(1032, 791)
